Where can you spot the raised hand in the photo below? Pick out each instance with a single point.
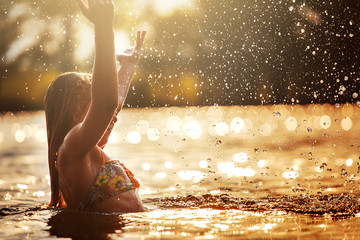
(128, 60)
(132, 55)
(99, 12)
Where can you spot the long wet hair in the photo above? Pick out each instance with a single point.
(62, 100)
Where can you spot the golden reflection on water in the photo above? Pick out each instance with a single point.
(257, 129)
(240, 140)
(213, 224)
(218, 121)
(250, 152)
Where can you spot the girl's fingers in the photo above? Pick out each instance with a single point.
(137, 42)
(140, 39)
(138, 35)
(142, 36)
(143, 33)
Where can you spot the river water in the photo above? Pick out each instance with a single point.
(239, 172)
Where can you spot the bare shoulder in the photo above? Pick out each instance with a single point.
(69, 148)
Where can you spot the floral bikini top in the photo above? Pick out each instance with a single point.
(113, 178)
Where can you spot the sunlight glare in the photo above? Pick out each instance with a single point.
(144, 191)
(134, 137)
(166, 7)
(265, 129)
(22, 186)
(222, 227)
(142, 126)
(173, 124)
(168, 164)
(261, 163)
(146, 166)
(196, 176)
(349, 162)
(291, 123)
(203, 164)
(7, 197)
(325, 122)
(290, 175)
(240, 157)
(122, 41)
(153, 134)
(26, 40)
(222, 129)
(215, 114)
(237, 124)
(19, 136)
(39, 194)
(229, 169)
(346, 123)
(161, 174)
(193, 129)
(84, 46)
(40, 136)
(17, 10)
(112, 138)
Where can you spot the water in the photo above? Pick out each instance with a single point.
(255, 172)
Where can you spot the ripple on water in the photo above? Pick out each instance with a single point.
(338, 206)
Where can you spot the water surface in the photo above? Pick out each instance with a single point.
(255, 172)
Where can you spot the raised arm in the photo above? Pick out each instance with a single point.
(128, 61)
(104, 94)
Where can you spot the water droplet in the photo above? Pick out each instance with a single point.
(344, 173)
(276, 114)
(323, 166)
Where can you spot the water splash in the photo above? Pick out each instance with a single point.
(338, 206)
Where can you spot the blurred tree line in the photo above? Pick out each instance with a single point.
(231, 52)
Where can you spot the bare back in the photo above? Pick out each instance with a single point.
(77, 174)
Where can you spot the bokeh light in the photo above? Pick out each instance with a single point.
(261, 163)
(142, 126)
(222, 129)
(325, 121)
(193, 129)
(188, 175)
(291, 175)
(134, 137)
(173, 124)
(240, 157)
(349, 162)
(146, 166)
(153, 134)
(237, 124)
(168, 164)
(346, 123)
(203, 164)
(291, 123)
(19, 136)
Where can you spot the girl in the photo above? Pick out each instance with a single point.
(80, 113)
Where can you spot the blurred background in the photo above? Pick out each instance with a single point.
(197, 52)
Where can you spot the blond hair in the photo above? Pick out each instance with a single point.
(61, 101)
